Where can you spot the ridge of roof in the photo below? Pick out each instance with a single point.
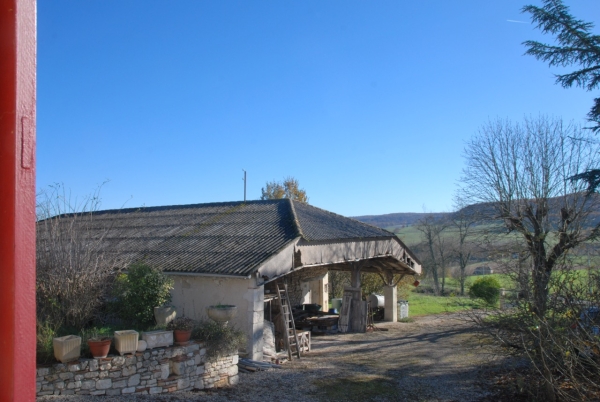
(167, 207)
(337, 216)
(296, 221)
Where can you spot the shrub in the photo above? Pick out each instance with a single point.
(139, 291)
(181, 324)
(220, 340)
(44, 345)
(486, 288)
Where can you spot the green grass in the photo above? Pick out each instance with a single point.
(420, 304)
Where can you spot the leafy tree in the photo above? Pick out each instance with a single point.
(140, 290)
(576, 46)
(288, 188)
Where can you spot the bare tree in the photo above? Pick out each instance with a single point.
(523, 171)
(437, 251)
(462, 222)
(73, 271)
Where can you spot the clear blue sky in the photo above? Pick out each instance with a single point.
(367, 103)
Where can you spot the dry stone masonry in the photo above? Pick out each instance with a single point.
(157, 371)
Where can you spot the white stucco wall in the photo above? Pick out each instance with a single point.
(193, 294)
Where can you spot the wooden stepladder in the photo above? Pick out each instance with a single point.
(290, 338)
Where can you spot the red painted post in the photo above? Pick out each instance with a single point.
(17, 199)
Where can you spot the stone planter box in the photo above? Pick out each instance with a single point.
(156, 339)
(67, 348)
(126, 341)
(164, 315)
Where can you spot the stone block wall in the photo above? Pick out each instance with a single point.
(156, 371)
(295, 282)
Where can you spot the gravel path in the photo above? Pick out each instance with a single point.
(434, 358)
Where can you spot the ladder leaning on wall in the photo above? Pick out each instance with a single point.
(290, 338)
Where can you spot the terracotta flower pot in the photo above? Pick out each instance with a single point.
(181, 336)
(99, 348)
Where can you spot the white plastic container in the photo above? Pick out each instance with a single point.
(67, 348)
(126, 341)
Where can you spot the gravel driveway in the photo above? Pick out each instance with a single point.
(434, 358)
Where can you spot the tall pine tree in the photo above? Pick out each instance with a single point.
(576, 45)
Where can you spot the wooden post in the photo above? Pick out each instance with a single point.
(358, 310)
(17, 199)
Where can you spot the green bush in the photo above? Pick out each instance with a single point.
(139, 291)
(220, 340)
(486, 288)
(44, 346)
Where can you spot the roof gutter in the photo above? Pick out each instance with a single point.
(209, 275)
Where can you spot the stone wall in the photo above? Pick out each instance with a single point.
(156, 371)
(295, 280)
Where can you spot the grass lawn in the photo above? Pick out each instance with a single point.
(420, 304)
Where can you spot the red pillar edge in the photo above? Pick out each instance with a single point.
(17, 199)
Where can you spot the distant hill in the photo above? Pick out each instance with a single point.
(400, 220)
(397, 220)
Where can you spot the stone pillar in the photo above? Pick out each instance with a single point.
(255, 295)
(391, 303)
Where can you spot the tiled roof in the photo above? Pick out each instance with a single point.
(232, 238)
(318, 224)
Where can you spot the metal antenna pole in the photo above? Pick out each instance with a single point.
(244, 185)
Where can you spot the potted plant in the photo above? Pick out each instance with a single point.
(182, 329)
(99, 345)
(221, 313)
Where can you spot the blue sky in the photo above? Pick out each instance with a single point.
(367, 103)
